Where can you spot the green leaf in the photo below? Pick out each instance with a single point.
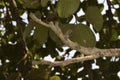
(55, 78)
(44, 3)
(10, 36)
(114, 36)
(51, 48)
(28, 29)
(119, 1)
(31, 25)
(33, 4)
(94, 17)
(101, 7)
(81, 18)
(38, 14)
(2, 4)
(80, 34)
(40, 34)
(66, 8)
(13, 76)
(55, 38)
(38, 74)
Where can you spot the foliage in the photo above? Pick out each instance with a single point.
(17, 36)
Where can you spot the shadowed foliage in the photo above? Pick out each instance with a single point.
(22, 40)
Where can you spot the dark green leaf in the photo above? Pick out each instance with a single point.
(38, 74)
(40, 34)
(55, 38)
(31, 25)
(114, 36)
(44, 3)
(38, 14)
(28, 29)
(33, 4)
(51, 48)
(65, 8)
(81, 18)
(81, 34)
(101, 7)
(94, 17)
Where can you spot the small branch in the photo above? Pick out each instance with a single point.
(106, 52)
(66, 62)
(92, 53)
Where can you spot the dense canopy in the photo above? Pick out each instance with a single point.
(81, 37)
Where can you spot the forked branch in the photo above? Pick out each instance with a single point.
(90, 53)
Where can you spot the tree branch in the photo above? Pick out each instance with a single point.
(66, 62)
(92, 53)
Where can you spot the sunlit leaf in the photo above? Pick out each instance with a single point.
(65, 8)
(55, 78)
(2, 4)
(94, 17)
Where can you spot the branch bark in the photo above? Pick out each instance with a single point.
(90, 53)
(66, 62)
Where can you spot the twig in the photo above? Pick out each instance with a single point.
(66, 62)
